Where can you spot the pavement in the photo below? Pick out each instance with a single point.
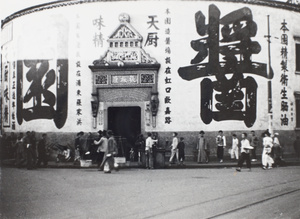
(288, 160)
(135, 193)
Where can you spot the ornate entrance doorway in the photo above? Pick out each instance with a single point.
(126, 123)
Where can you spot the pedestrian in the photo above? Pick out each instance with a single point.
(181, 154)
(149, 151)
(42, 151)
(28, 150)
(201, 147)
(235, 148)
(221, 144)
(90, 148)
(139, 146)
(2, 147)
(78, 147)
(12, 139)
(267, 160)
(297, 147)
(174, 149)
(245, 153)
(254, 143)
(102, 147)
(34, 151)
(277, 148)
(20, 150)
(111, 151)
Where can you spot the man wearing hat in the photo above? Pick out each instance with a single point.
(245, 153)
(78, 147)
(202, 148)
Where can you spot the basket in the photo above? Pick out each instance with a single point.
(85, 163)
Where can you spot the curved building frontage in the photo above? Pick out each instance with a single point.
(152, 66)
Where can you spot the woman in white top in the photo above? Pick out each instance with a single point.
(266, 158)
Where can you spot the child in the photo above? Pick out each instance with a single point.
(181, 147)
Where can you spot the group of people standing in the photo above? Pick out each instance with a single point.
(244, 150)
(26, 150)
(105, 150)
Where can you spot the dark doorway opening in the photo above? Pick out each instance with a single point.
(126, 123)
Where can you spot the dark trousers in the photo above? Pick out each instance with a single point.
(220, 152)
(20, 158)
(253, 153)
(42, 159)
(207, 155)
(149, 159)
(244, 157)
(29, 157)
(100, 158)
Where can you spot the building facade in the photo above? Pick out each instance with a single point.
(170, 66)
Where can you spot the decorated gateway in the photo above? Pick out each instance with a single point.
(152, 66)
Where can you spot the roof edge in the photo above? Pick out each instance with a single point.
(63, 3)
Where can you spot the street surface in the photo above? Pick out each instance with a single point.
(140, 193)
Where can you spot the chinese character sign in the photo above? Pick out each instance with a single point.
(6, 94)
(227, 45)
(98, 36)
(284, 75)
(168, 72)
(46, 96)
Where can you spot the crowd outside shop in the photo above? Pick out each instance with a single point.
(30, 152)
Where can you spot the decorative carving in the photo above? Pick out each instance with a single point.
(125, 47)
(101, 79)
(124, 56)
(146, 59)
(124, 33)
(147, 78)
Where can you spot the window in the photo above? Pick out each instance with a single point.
(298, 57)
(297, 54)
(297, 110)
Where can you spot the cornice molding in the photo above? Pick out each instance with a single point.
(64, 3)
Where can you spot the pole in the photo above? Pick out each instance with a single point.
(269, 70)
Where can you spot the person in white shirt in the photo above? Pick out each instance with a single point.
(174, 149)
(221, 144)
(235, 147)
(101, 148)
(149, 151)
(267, 160)
(245, 153)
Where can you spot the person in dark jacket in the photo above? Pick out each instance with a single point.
(20, 151)
(29, 150)
(42, 151)
(79, 152)
(181, 147)
(297, 146)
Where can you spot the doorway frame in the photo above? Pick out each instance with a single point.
(142, 105)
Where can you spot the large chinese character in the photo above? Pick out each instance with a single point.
(47, 95)
(236, 95)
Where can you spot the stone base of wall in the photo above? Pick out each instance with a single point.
(286, 139)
